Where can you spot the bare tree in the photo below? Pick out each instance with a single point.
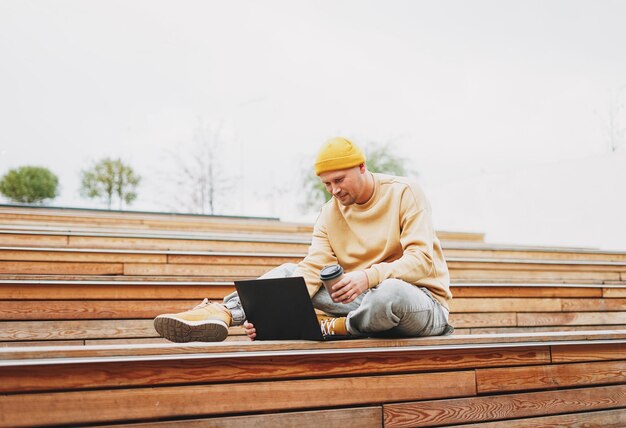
(615, 128)
(200, 179)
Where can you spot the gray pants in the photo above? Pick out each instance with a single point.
(392, 309)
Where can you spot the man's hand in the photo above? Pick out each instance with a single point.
(351, 286)
(250, 330)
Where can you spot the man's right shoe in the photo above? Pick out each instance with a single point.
(331, 326)
(207, 322)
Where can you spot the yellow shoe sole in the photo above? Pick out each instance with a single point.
(181, 331)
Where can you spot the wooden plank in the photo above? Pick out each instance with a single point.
(61, 268)
(588, 352)
(491, 380)
(80, 256)
(472, 320)
(79, 407)
(532, 255)
(522, 290)
(478, 275)
(66, 376)
(549, 329)
(71, 330)
(121, 290)
(192, 270)
(26, 240)
(603, 419)
(526, 265)
(264, 260)
(571, 318)
(366, 417)
(458, 305)
(233, 336)
(581, 305)
(43, 343)
(90, 309)
(489, 408)
(291, 346)
(611, 293)
(165, 243)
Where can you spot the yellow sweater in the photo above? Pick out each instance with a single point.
(389, 236)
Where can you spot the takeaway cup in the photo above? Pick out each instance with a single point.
(330, 275)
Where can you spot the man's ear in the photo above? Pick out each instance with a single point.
(362, 168)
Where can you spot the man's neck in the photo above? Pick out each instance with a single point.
(369, 189)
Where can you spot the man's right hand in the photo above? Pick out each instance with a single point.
(250, 330)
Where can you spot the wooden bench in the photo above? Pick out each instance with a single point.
(46, 216)
(504, 380)
(99, 311)
(80, 261)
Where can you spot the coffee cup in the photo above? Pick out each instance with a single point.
(330, 275)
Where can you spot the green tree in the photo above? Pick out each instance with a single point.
(110, 178)
(29, 184)
(380, 158)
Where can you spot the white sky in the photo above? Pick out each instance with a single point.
(501, 106)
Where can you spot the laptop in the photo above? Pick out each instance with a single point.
(281, 309)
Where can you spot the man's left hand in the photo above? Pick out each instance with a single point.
(351, 286)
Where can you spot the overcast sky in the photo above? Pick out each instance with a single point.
(501, 106)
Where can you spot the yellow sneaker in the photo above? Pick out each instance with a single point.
(333, 325)
(207, 322)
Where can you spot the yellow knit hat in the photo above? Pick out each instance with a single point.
(338, 153)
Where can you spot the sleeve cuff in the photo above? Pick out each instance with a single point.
(372, 277)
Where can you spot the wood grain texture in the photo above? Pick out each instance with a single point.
(603, 419)
(543, 265)
(549, 329)
(173, 243)
(555, 255)
(264, 260)
(90, 309)
(502, 275)
(365, 417)
(612, 293)
(121, 290)
(27, 240)
(67, 376)
(42, 343)
(521, 290)
(296, 345)
(61, 268)
(77, 407)
(588, 352)
(71, 330)
(193, 270)
(571, 318)
(505, 304)
(492, 380)
(471, 320)
(79, 256)
(593, 305)
(478, 409)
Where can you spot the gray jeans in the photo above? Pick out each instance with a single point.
(392, 309)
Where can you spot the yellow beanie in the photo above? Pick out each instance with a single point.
(338, 153)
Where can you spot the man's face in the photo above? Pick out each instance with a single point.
(347, 185)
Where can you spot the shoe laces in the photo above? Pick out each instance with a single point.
(204, 303)
(328, 326)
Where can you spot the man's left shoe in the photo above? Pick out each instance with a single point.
(207, 322)
(333, 326)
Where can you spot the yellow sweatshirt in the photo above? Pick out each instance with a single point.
(389, 236)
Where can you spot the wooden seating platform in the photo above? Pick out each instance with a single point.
(540, 334)
(506, 380)
(73, 218)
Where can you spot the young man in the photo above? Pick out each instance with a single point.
(379, 229)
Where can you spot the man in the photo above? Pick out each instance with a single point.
(379, 229)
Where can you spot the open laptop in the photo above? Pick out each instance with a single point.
(281, 309)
